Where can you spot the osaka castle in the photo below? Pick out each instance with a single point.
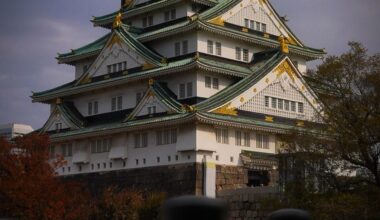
(187, 97)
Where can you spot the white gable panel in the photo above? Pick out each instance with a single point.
(152, 101)
(56, 118)
(115, 53)
(284, 90)
(257, 13)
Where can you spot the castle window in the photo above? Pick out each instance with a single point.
(287, 102)
(137, 162)
(147, 21)
(274, 102)
(104, 165)
(245, 55)
(242, 138)
(210, 47)
(92, 108)
(217, 157)
(238, 53)
(300, 107)
(144, 161)
(221, 135)
(109, 69)
(116, 103)
(124, 164)
(258, 26)
(79, 168)
(215, 83)
(293, 106)
(185, 47)
(167, 15)
(280, 104)
(173, 14)
(158, 159)
(141, 140)
(110, 164)
(58, 126)
(92, 166)
(166, 136)
(176, 157)
(218, 48)
(95, 107)
(169, 158)
(231, 159)
(151, 110)
(252, 24)
(264, 28)
(182, 91)
(85, 68)
(266, 101)
(246, 23)
(207, 82)
(67, 150)
(262, 141)
(177, 49)
(101, 145)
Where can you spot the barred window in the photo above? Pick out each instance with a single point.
(182, 91)
(280, 104)
(221, 135)
(238, 53)
(101, 145)
(177, 49)
(185, 47)
(274, 102)
(266, 101)
(238, 138)
(218, 48)
(189, 89)
(141, 140)
(166, 136)
(293, 105)
(246, 23)
(262, 141)
(300, 107)
(215, 83)
(67, 150)
(210, 47)
(207, 82)
(245, 55)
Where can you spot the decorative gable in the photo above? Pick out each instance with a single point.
(116, 56)
(281, 92)
(156, 100)
(257, 15)
(62, 118)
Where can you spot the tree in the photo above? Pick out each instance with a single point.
(29, 188)
(335, 162)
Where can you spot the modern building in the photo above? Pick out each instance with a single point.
(12, 130)
(184, 96)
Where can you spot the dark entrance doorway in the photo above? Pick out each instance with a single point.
(258, 178)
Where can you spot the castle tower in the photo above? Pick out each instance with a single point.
(187, 97)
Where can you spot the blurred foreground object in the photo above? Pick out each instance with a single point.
(194, 208)
(289, 214)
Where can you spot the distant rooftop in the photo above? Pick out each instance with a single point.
(12, 130)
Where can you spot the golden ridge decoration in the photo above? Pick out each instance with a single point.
(244, 30)
(148, 66)
(188, 108)
(117, 22)
(269, 119)
(127, 3)
(115, 40)
(58, 101)
(285, 67)
(283, 44)
(218, 21)
(226, 110)
(300, 123)
(151, 82)
(86, 80)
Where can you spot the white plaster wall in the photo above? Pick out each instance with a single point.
(207, 141)
(165, 47)
(104, 97)
(80, 65)
(182, 10)
(152, 101)
(202, 91)
(174, 80)
(228, 46)
(255, 12)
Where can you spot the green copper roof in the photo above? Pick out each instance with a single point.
(187, 63)
(91, 49)
(231, 92)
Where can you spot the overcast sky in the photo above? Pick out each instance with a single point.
(33, 32)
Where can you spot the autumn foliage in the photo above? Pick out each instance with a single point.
(29, 188)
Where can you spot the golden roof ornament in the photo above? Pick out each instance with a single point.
(117, 22)
(283, 44)
(151, 82)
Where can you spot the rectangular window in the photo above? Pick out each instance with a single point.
(215, 83)
(218, 48)
(177, 49)
(114, 68)
(267, 101)
(274, 102)
(141, 140)
(258, 26)
(245, 55)
(264, 28)
(252, 24)
(238, 138)
(101, 145)
(119, 102)
(120, 65)
(173, 14)
(280, 104)
(287, 105)
(247, 139)
(58, 126)
(167, 15)
(166, 136)
(210, 47)
(246, 23)
(124, 65)
(207, 82)
(300, 107)
(182, 91)
(238, 53)
(293, 106)
(189, 89)
(262, 141)
(222, 135)
(185, 47)
(150, 20)
(113, 104)
(96, 107)
(89, 108)
(144, 22)
(109, 69)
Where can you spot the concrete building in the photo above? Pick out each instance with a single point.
(13, 130)
(188, 97)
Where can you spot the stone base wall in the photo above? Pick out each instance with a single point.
(231, 177)
(175, 180)
(247, 203)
